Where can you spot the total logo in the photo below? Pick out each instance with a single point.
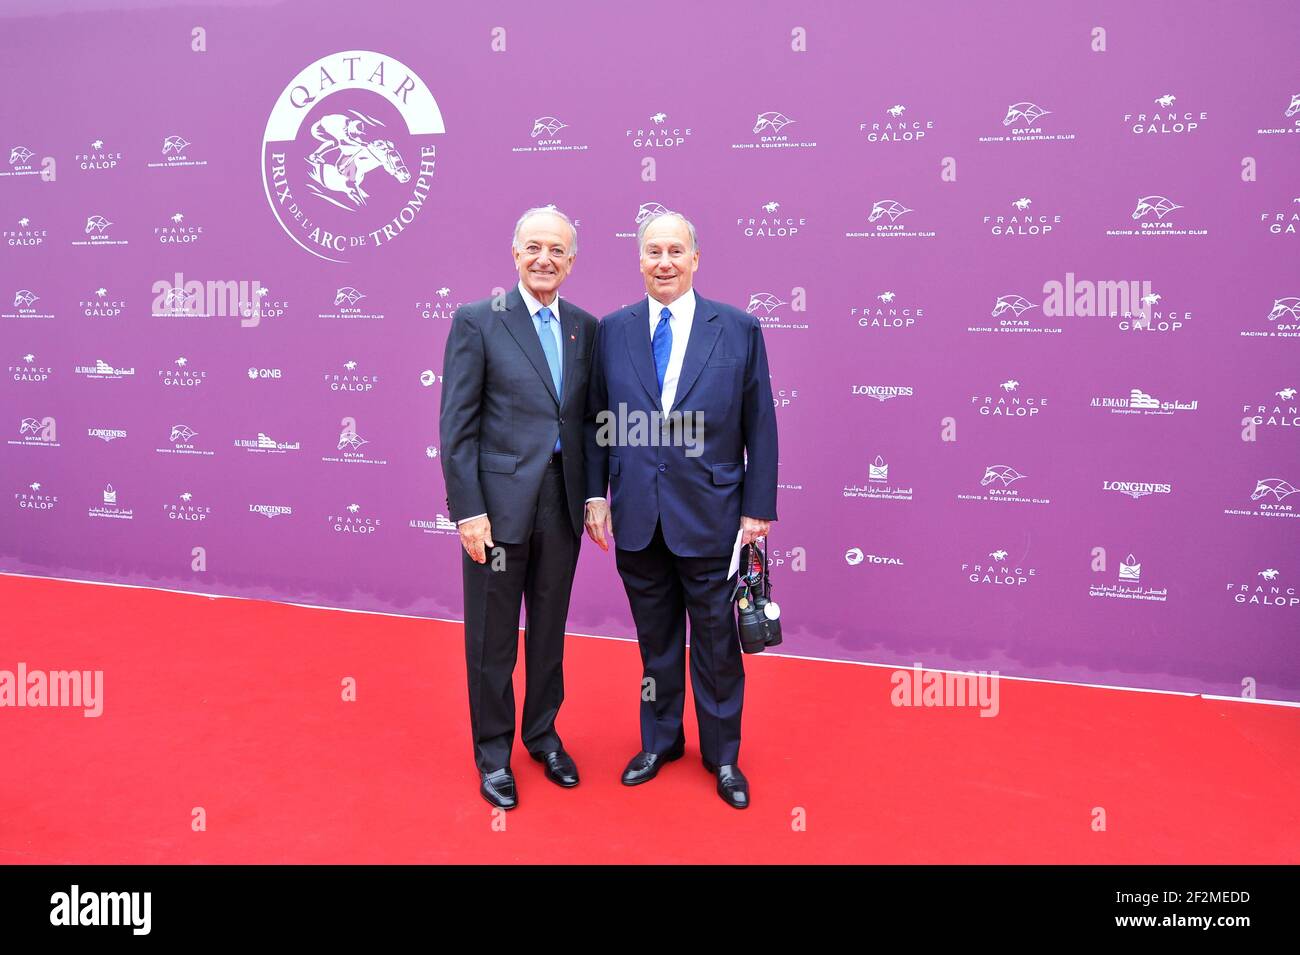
(181, 440)
(1002, 483)
(429, 378)
(882, 393)
(1282, 320)
(891, 219)
(770, 222)
(107, 435)
(887, 313)
(1164, 119)
(772, 129)
(855, 556)
(20, 162)
(271, 511)
(774, 312)
(1282, 413)
(33, 498)
(347, 304)
(353, 521)
(23, 305)
(265, 444)
(1022, 220)
(97, 158)
(1280, 222)
(440, 525)
(38, 432)
(178, 231)
(1272, 497)
(658, 131)
(1009, 403)
(24, 235)
(101, 304)
(348, 154)
(175, 152)
(1139, 402)
(98, 231)
(103, 371)
(1156, 215)
(547, 138)
(1016, 315)
(352, 448)
(184, 509)
(263, 374)
(29, 371)
(110, 508)
(349, 379)
(1128, 585)
(1286, 110)
(896, 127)
(1027, 121)
(997, 569)
(1267, 589)
(441, 306)
(1137, 489)
(878, 487)
(181, 374)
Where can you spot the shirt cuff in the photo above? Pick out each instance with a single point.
(590, 499)
(474, 518)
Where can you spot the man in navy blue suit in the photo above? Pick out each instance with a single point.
(682, 429)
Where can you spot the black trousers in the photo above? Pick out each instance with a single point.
(663, 590)
(538, 572)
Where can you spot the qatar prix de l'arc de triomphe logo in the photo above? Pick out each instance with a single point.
(348, 154)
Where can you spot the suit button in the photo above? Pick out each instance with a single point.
(663, 467)
(561, 421)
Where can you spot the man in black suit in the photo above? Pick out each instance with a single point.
(696, 370)
(514, 387)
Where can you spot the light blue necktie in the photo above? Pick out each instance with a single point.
(552, 352)
(662, 342)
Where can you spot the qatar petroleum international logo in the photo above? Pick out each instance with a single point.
(348, 155)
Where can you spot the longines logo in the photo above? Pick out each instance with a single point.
(442, 306)
(102, 370)
(1165, 119)
(354, 522)
(1137, 489)
(184, 509)
(97, 158)
(1139, 402)
(996, 569)
(22, 304)
(888, 313)
(271, 510)
(1288, 110)
(107, 435)
(98, 231)
(111, 508)
(24, 236)
(771, 129)
(178, 230)
(440, 525)
(20, 162)
(335, 152)
(1022, 220)
(897, 128)
(181, 374)
(1156, 215)
(773, 311)
(101, 304)
(879, 487)
(176, 151)
(1128, 585)
(1268, 589)
(28, 370)
(181, 440)
(1001, 482)
(1010, 403)
(659, 132)
(891, 219)
(770, 221)
(1026, 121)
(351, 378)
(547, 137)
(1282, 413)
(1272, 497)
(1282, 320)
(32, 498)
(349, 303)
(882, 393)
(352, 448)
(39, 432)
(1016, 315)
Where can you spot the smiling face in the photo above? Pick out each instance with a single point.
(544, 255)
(668, 261)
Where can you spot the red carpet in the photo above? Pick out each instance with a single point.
(235, 706)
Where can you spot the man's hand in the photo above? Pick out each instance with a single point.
(598, 523)
(475, 537)
(754, 529)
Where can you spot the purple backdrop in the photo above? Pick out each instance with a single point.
(975, 473)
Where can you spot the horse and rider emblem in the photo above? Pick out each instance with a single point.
(345, 154)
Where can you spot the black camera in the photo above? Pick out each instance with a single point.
(757, 615)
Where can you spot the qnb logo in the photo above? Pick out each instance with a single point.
(254, 374)
(76, 907)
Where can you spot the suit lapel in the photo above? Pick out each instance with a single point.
(569, 330)
(704, 335)
(520, 325)
(638, 350)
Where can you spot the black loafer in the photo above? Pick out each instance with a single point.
(733, 787)
(560, 768)
(645, 766)
(498, 788)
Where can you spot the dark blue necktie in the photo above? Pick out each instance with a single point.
(662, 342)
(552, 352)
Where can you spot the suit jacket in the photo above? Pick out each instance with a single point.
(699, 499)
(500, 414)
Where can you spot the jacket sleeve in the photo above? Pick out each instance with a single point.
(596, 451)
(458, 425)
(758, 425)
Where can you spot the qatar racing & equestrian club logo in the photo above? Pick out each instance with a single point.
(348, 154)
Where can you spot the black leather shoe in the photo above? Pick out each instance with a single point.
(645, 766)
(560, 768)
(733, 787)
(498, 788)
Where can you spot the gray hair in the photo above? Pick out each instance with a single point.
(537, 210)
(655, 217)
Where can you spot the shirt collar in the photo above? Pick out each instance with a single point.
(535, 306)
(683, 306)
